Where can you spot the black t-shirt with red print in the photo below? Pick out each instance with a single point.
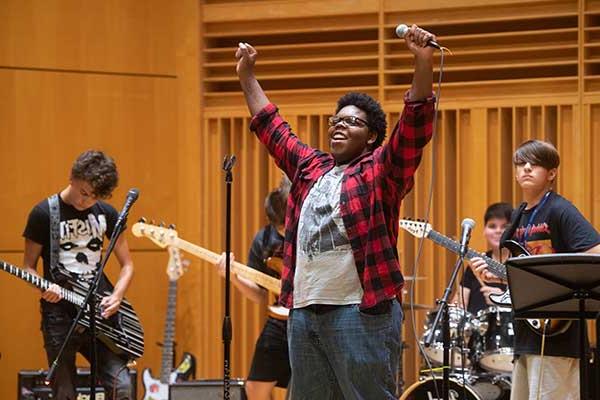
(557, 227)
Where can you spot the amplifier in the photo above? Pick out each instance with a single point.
(31, 386)
(206, 390)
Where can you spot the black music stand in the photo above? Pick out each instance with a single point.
(562, 286)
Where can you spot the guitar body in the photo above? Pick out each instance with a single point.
(122, 333)
(278, 312)
(516, 249)
(154, 389)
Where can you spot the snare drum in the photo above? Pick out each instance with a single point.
(461, 331)
(495, 341)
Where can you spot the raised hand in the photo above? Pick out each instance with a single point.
(416, 40)
(246, 58)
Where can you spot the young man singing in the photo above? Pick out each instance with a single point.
(341, 275)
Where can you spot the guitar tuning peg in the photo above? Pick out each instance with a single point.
(143, 220)
(162, 224)
(171, 226)
(153, 222)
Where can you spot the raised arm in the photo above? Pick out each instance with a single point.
(416, 41)
(402, 154)
(256, 99)
(270, 128)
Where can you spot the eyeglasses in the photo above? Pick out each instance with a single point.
(349, 121)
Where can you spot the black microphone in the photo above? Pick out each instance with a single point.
(467, 227)
(401, 31)
(132, 196)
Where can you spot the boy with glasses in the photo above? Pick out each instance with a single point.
(341, 275)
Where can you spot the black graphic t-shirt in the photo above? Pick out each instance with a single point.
(81, 238)
(267, 243)
(476, 299)
(558, 227)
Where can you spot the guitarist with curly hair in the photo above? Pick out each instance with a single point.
(80, 220)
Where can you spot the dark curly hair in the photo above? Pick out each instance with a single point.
(97, 169)
(375, 114)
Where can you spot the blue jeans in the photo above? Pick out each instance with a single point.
(341, 352)
(112, 371)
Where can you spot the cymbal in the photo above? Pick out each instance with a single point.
(414, 278)
(415, 306)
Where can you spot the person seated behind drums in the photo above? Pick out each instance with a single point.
(474, 294)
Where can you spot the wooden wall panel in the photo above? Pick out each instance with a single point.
(108, 36)
(153, 83)
(122, 77)
(514, 76)
(48, 118)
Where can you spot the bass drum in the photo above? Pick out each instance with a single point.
(425, 390)
(491, 387)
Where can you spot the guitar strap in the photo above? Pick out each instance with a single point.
(514, 223)
(54, 206)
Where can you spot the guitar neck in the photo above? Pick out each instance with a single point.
(41, 283)
(494, 266)
(268, 282)
(169, 336)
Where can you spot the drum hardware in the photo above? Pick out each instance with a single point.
(461, 331)
(484, 341)
(494, 344)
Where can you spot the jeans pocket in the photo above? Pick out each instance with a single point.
(385, 307)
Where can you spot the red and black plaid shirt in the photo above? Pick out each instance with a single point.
(373, 187)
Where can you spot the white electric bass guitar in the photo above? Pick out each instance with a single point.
(549, 327)
(158, 389)
(164, 237)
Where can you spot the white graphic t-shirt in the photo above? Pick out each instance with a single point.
(81, 237)
(325, 268)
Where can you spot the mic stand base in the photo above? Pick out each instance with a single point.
(443, 315)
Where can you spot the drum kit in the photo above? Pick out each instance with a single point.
(481, 356)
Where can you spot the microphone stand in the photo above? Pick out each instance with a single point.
(228, 163)
(89, 305)
(443, 314)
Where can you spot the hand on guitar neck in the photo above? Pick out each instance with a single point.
(248, 288)
(480, 269)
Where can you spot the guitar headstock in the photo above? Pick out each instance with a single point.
(160, 235)
(417, 228)
(175, 267)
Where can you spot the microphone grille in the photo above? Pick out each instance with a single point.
(133, 193)
(401, 30)
(468, 222)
